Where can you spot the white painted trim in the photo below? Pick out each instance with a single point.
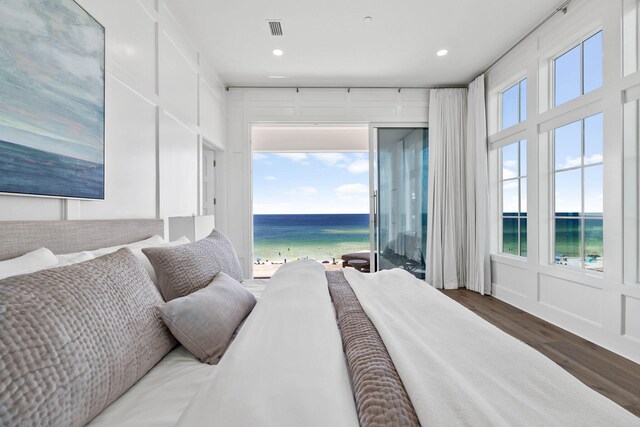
(603, 293)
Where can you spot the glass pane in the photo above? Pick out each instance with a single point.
(510, 107)
(593, 184)
(523, 195)
(402, 199)
(568, 145)
(510, 198)
(510, 161)
(523, 158)
(523, 100)
(567, 76)
(568, 242)
(593, 63)
(568, 193)
(523, 236)
(593, 139)
(593, 244)
(510, 236)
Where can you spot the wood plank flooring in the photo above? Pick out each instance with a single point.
(607, 373)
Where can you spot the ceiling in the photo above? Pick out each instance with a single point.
(328, 43)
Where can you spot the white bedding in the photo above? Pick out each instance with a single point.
(255, 286)
(286, 367)
(459, 369)
(161, 396)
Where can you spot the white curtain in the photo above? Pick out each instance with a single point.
(446, 226)
(478, 275)
(458, 219)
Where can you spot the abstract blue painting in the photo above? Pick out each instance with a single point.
(51, 100)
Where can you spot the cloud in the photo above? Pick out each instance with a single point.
(358, 166)
(354, 197)
(260, 156)
(510, 185)
(271, 208)
(509, 169)
(331, 159)
(572, 162)
(303, 190)
(270, 178)
(339, 160)
(352, 189)
(294, 157)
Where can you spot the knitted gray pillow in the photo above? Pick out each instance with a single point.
(75, 338)
(204, 321)
(184, 269)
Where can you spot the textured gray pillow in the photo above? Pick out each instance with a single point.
(205, 320)
(75, 338)
(184, 269)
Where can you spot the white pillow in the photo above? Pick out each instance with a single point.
(68, 259)
(146, 243)
(28, 263)
(145, 261)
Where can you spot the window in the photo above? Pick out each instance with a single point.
(514, 198)
(579, 70)
(514, 104)
(578, 193)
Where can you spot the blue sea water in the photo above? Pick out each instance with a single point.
(317, 236)
(27, 170)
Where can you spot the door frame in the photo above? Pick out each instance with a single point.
(373, 181)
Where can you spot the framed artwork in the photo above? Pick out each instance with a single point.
(52, 56)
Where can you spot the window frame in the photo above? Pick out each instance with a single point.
(582, 217)
(518, 178)
(513, 83)
(552, 65)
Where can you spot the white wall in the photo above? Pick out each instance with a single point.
(162, 101)
(604, 308)
(247, 106)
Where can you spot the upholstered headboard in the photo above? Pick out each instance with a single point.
(20, 237)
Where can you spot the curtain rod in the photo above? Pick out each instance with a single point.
(562, 8)
(348, 88)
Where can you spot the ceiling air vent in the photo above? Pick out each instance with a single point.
(275, 27)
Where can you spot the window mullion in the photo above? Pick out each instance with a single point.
(582, 68)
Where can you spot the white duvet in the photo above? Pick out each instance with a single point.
(286, 367)
(459, 369)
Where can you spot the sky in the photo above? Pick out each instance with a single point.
(52, 78)
(310, 183)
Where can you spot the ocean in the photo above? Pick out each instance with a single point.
(30, 171)
(322, 237)
(568, 238)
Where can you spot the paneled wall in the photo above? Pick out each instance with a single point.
(163, 101)
(253, 106)
(602, 307)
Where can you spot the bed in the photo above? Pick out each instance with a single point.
(339, 349)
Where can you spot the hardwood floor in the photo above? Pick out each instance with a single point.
(607, 373)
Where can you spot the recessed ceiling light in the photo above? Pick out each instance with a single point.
(278, 77)
(278, 52)
(367, 19)
(442, 52)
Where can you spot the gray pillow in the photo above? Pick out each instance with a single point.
(75, 338)
(205, 320)
(184, 269)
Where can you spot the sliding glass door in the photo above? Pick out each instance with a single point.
(400, 198)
